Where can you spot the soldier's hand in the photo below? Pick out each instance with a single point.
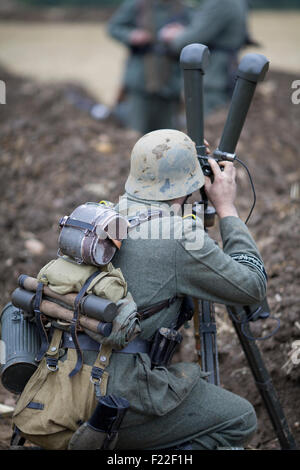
(222, 192)
(207, 147)
(140, 37)
(170, 32)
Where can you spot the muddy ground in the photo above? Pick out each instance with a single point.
(55, 156)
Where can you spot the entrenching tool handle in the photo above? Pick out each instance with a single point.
(91, 305)
(194, 60)
(23, 300)
(252, 69)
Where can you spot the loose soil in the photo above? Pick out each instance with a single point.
(55, 156)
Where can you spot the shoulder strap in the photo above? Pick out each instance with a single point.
(147, 312)
(74, 324)
(136, 220)
(99, 376)
(52, 353)
(39, 322)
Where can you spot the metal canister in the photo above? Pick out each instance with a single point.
(92, 233)
(21, 343)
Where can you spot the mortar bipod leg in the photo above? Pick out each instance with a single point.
(208, 339)
(262, 380)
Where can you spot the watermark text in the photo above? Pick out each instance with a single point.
(296, 94)
(2, 92)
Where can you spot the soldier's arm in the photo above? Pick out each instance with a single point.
(207, 23)
(234, 275)
(123, 22)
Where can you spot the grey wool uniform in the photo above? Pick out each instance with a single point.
(152, 78)
(222, 26)
(172, 405)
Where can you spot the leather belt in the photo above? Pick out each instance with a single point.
(86, 343)
(135, 346)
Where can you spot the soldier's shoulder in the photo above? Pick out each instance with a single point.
(191, 233)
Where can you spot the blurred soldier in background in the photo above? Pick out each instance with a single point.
(222, 26)
(152, 78)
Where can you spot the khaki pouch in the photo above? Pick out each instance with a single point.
(63, 277)
(53, 405)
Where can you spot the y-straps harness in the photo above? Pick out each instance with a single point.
(99, 376)
(75, 320)
(138, 219)
(73, 328)
(52, 354)
(39, 323)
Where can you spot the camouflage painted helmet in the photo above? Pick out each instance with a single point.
(164, 166)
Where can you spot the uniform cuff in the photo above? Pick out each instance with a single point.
(230, 223)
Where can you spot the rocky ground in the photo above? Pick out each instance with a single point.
(55, 156)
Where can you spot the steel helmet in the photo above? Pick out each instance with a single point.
(164, 166)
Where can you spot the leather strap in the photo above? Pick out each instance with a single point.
(99, 376)
(136, 220)
(69, 222)
(86, 343)
(74, 323)
(137, 345)
(52, 355)
(40, 326)
(35, 405)
(147, 312)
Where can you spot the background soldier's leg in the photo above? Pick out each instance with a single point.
(209, 417)
(135, 112)
(163, 113)
(147, 112)
(215, 100)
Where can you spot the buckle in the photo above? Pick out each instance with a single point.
(134, 221)
(63, 221)
(52, 364)
(143, 216)
(96, 375)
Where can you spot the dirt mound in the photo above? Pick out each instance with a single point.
(55, 156)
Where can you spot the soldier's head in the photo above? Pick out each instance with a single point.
(164, 167)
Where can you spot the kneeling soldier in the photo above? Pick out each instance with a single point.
(171, 405)
(165, 258)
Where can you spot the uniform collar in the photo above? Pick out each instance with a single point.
(133, 205)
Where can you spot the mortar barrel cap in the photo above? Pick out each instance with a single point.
(253, 67)
(23, 299)
(195, 57)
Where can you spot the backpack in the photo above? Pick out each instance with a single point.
(63, 303)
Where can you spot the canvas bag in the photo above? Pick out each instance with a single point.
(64, 276)
(53, 405)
